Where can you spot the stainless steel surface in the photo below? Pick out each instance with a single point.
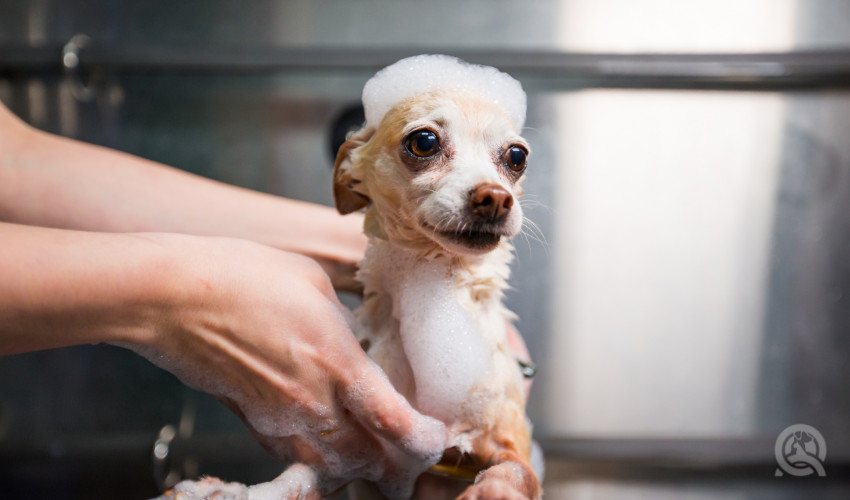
(689, 302)
(671, 231)
(622, 26)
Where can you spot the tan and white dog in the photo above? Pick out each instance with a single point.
(438, 168)
(440, 176)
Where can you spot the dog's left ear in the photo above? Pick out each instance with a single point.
(347, 174)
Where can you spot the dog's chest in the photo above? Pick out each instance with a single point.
(440, 347)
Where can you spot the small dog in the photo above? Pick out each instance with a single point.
(441, 173)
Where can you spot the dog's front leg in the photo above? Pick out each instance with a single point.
(510, 479)
(298, 482)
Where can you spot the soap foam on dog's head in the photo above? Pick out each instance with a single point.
(426, 73)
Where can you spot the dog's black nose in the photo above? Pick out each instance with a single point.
(491, 202)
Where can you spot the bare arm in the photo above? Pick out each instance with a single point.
(62, 288)
(51, 181)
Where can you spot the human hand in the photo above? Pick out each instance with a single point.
(337, 243)
(263, 331)
(517, 345)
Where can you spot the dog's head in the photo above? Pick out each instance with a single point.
(443, 167)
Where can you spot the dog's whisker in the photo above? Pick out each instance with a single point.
(444, 221)
(450, 221)
(530, 237)
(527, 240)
(533, 226)
(525, 237)
(531, 202)
(527, 202)
(533, 231)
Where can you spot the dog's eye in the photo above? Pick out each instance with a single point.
(516, 157)
(422, 143)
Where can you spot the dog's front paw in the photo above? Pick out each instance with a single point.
(492, 489)
(509, 480)
(206, 488)
(298, 482)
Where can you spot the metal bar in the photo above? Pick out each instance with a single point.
(720, 71)
(685, 453)
(679, 452)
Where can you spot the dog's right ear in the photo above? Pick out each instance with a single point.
(348, 194)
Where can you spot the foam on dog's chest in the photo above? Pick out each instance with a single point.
(447, 354)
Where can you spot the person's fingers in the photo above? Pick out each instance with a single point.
(363, 388)
(365, 391)
(342, 275)
(312, 271)
(369, 396)
(231, 406)
(291, 448)
(298, 482)
(516, 342)
(520, 351)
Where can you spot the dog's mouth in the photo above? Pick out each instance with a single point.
(475, 239)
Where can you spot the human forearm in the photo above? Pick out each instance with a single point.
(61, 288)
(52, 181)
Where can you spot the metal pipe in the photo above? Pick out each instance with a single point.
(816, 69)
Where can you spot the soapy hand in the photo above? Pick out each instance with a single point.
(263, 331)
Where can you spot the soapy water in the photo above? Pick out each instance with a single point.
(426, 73)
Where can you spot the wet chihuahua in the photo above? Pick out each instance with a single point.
(440, 176)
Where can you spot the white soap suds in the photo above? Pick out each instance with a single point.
(297, 481)
(204, 488)
(446, 352)
(426, 73)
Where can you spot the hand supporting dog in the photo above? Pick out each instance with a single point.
(295, 379)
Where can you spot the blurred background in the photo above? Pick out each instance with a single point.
(690, 297)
